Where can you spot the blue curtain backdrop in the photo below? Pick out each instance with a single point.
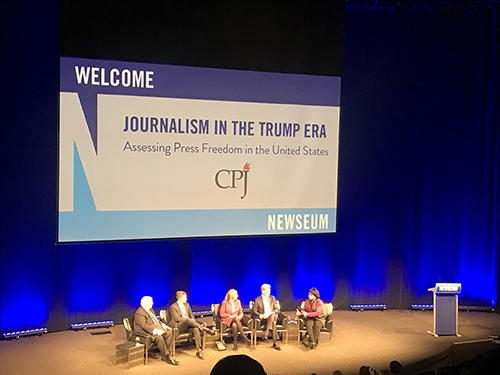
(418, 183)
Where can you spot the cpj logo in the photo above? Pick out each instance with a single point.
(230, 178)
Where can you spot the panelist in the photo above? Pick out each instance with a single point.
(146, 323)
(265, 307)
(312, 312)
(231, 314)
(182, 315)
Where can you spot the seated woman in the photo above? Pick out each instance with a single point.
(231, 314)
(312, 312)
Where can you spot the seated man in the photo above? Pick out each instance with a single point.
(182, 316)
(265, 307)
(146, 323)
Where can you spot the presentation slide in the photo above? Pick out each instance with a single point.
(149, 151)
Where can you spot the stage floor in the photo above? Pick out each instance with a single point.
(371, 338)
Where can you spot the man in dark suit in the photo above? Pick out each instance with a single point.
(265, 307)
(182, 316)
(146, 323)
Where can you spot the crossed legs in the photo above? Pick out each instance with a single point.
(271, 326)
(193, 327)
(236, 327)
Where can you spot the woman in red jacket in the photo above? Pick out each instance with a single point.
(231, 314)
(311, 311)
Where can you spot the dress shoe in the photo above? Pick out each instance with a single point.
(276, 346)
(311, 345)
(199, 354)
(211, 332)
(170, 360)
(264, 338)
(247, 341)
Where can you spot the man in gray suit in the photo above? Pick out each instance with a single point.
(146, 323)
(265, 307)
(182, 316)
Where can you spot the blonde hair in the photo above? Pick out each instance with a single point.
(231, 292)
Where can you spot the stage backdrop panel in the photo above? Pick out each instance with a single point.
(161, 151)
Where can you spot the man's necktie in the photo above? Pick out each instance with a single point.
(155, 320)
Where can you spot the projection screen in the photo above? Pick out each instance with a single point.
(160, 151)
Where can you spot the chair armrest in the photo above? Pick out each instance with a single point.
(251, 324)
(223, 326)
(329, 324)
(285, 323)
(175, 332)
(216, 323)
(302, 323)
(142, 335)
(142, 338)
(257, 323)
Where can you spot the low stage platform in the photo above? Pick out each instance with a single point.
(371, 338)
